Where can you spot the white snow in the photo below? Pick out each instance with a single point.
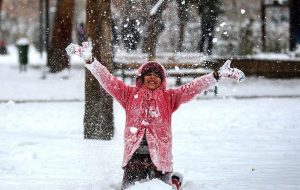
(22, 41)
(245, 138)
(133, 129)
(223, 24)
(155, 8)
(149, 185)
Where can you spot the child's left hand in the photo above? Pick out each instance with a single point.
(233, 73)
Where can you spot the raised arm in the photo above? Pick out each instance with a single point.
(188, 91)
(110, 83)
(115, 87)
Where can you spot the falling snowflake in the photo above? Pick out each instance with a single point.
(222, 24)
(137, 22)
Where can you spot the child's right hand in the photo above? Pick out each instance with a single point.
(84, 51)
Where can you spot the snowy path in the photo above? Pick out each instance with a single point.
(218, 144)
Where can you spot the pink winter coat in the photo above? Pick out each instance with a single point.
(149, 111)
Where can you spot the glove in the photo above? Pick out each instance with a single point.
(84, 51)
(233, 73)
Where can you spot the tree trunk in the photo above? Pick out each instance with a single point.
(0, 16)
(154, 28)
(183, 19)
(98, 116)
(61, 36)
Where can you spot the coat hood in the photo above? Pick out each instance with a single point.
(154, 67)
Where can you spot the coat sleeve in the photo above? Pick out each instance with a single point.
(115, 87)
(188, 91)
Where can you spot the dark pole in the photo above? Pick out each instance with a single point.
(47, 29)
(263, 25)
(41, 44)
(292, 45)
(294, 24)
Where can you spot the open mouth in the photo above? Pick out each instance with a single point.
(151, 81)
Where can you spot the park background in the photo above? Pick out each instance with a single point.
(244, 137)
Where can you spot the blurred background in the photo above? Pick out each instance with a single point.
(242, 27)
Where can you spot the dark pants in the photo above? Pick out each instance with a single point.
(140, 167)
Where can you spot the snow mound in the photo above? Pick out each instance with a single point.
(151, 185)
(22, 41)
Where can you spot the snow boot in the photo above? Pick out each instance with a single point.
(176, 180)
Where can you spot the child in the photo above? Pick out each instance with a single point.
(149, 106)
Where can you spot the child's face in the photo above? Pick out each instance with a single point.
(152, 81)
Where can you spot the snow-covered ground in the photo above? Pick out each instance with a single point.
(245, 138)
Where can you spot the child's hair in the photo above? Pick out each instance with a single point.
(152, 67)
(151, 70)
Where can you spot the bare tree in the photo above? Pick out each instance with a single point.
(1, 2)
(154, 28)
(61, 36)
(0, 12)
(98, 116)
